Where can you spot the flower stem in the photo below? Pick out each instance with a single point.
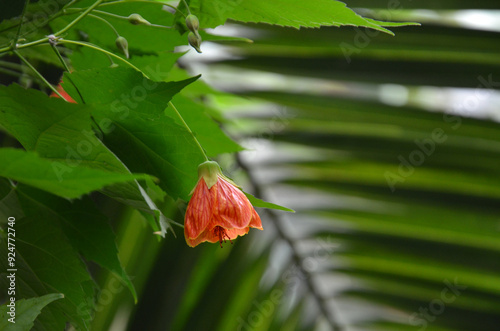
(141, 1)
(105, 21)
(187, 6)
(97, 48)
(21, 23)
(76, 20)
(189, 130)
(39, 75)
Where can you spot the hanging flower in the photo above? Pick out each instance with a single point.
(218, 209)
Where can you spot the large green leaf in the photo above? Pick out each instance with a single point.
(29, 168)
(141, 134)
(292, 13)
(87, 229)
(46, 263)
(62, 132)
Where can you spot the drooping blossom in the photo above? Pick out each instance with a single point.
(218, 209)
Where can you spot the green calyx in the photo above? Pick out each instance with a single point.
(209, 170)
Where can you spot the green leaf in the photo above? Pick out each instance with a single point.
(47, 263)
(391, 24)
(30, 169)
(27, 310)
(256, 202)
(140, 133)
(87, 229)
(291, 13)
(62, 132)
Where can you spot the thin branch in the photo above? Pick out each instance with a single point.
(105, 21)
(97, 48)
(39, 75)
(141, 1)
(277, 221)
(21, 23)
(187, 6)
(76, 20)
(189, 130)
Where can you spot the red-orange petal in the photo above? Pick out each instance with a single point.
(222, 206)
(199, 212)
(232, 208)
(65, 95)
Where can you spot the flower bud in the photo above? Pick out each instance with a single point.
(192, 23)
(137, 19)
(195, 41)
(122, 45)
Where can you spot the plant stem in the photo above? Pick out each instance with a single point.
(69, 4)
(65, 65)
(76, 20)
(189, 130)
(97, 48)
(21, 23)
(39, 75)
(105, 21)
(142, 1)
(187, 6)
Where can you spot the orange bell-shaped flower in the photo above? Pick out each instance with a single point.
(218, 209)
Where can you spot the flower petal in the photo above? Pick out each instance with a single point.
(232, 208)
(256, 222)
(199, 211)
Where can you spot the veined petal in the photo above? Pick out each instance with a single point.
(199, 211)
(232, 208)
(217, 212)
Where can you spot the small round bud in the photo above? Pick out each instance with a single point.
(195, 41)
(192, 23)
(122, 45)
(137, 19)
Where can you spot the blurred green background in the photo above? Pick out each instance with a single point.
(388, 148)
